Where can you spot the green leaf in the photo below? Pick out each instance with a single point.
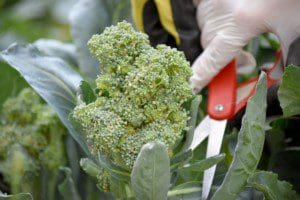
(115, 171)
(202, 165)
(86, 92)
(192, 122)
(73, 152)
(150, 176)
(67, 188)
(58, 49)
(11, 82)
(249, 147)
(21, 196)
(181, 159)
(271, 187)
(93, 12)
(51, 78)
(289, 93)
(120, 189)
(186, 189)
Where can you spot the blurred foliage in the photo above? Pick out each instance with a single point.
(32, 145)
(26, 21)
(29, 20)
(9, 75)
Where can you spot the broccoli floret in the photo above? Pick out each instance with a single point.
(118, 46)
(141, 93)
(31, 138)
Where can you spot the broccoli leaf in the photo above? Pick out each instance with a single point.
(121, 190)
(67, 188)
(271, 187)
(202, 165)
(86, 92)
(115, 171)
(186, 190)
(51, 78)
(93, 12)
(289, 93)
(150, 176)
(10, 82)
(21, 196)
(58, 49)
(249, 147)
(192, 122)
(181, 159)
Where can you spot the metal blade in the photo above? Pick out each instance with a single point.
(200, 133)
(215, 138)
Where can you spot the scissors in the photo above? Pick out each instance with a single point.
(226, 98)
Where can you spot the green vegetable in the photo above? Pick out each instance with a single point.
(31, 141)
(141, 93)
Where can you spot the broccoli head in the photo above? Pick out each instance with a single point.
(141, 92)
(31, 139)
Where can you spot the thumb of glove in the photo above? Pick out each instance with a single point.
(220, 51)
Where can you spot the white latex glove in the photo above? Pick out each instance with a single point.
(228, 25)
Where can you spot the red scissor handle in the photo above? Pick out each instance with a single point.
(270, 82)
(222, 93)
(222, 99)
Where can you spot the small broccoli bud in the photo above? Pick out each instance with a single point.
(31, 135)
(22, 110)
(103, 180)
(118, 46)
(141, 95)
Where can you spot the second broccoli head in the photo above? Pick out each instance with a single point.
(31, 144)
(141, 93)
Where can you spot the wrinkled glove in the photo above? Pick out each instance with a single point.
(228, 25)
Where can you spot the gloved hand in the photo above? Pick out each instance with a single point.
(228, 25)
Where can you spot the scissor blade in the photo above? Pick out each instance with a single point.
(200, 133)
(215, 138)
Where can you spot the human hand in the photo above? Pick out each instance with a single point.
(228, 25)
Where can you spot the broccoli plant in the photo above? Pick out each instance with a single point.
(31, 144)
(141, 92)
(135, 124)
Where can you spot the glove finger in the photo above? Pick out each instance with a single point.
(220, 51)
(246, 63)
